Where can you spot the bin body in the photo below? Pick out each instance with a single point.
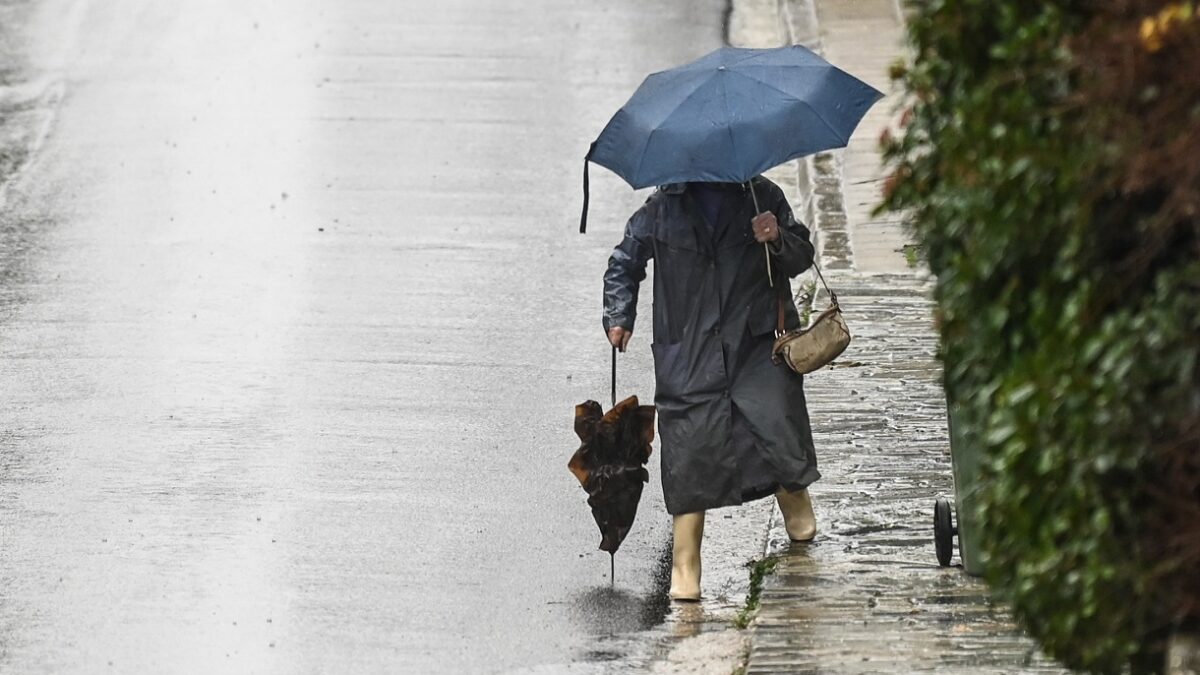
(966, 457)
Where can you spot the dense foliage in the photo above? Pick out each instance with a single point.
(1049, 167)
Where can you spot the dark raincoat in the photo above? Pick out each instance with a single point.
(734, 426)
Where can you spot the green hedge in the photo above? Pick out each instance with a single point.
(1075, 345)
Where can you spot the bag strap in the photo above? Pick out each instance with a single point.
(779, 329)
(779, 325)
(832, 296)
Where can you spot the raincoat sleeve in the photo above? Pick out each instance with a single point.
(626, 270)
(793, 251)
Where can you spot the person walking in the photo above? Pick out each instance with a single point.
(733, 424)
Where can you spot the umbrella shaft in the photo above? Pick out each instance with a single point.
(766, 249)
(614, 376)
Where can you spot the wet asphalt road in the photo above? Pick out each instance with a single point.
(293, 318)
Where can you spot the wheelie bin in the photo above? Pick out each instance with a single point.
(956, 519)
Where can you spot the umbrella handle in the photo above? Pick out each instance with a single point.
(766, 248)
(614, 376)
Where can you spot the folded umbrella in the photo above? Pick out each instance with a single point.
(610, 463)
(729, 116)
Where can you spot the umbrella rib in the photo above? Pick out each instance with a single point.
(740, 56)
(754, 53)
(642, 160)
(650, 136)
(798, 100)
(822, 62)
(729, 125)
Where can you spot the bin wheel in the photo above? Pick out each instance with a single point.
(943, 531)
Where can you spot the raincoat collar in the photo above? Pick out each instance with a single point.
(709, 236)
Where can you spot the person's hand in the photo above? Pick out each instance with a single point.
(619, 337)
(766, 228)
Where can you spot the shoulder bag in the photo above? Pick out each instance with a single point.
(807, 349)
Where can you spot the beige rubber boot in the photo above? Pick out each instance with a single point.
(685, 556)
(798, 517)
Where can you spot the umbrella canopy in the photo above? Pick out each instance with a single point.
(729, 116)
(610, 463)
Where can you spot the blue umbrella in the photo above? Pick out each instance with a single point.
(729, 116)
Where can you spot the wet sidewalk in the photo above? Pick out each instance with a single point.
(867, 595)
